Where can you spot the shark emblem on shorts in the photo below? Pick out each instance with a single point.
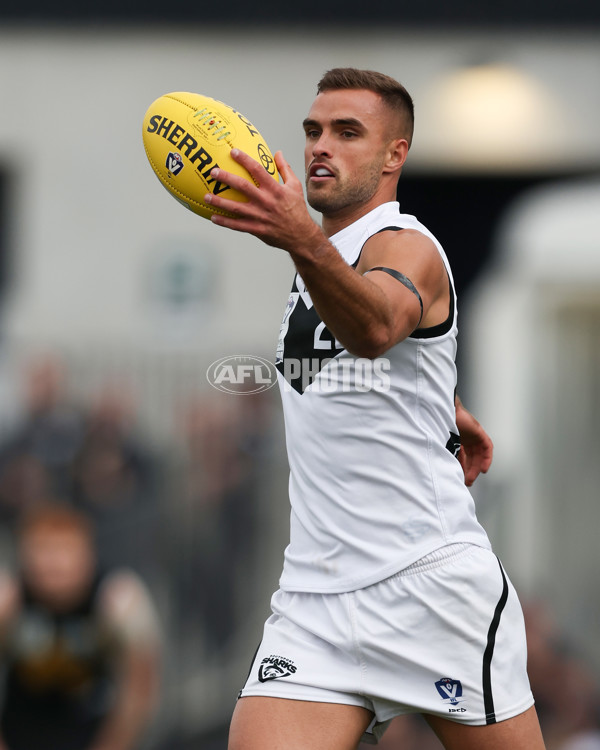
(272, 667)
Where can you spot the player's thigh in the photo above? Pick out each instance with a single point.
(264, 723)
(522, 732)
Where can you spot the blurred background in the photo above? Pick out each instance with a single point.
(114, 301)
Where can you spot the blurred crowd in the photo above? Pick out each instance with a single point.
(126, 569)
(121, 565)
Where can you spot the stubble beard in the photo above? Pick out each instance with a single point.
(343, 195)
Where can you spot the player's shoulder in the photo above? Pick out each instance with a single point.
(405, 235)
(402, 242)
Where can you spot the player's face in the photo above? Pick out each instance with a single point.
(347, 146)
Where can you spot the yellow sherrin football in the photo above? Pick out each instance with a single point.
(187, 135)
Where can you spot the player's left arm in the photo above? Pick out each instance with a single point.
(476, 450)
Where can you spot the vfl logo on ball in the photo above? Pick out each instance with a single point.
(450, 690)
(273, 667)
(242, 374)
(174, 163)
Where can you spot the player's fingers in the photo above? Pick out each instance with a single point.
(470, 477)
(235, 208)
(254, 169)
(241, 184)
(284, 168)
(468, 466)
(238, 225)
(481, 460)
(488, 456)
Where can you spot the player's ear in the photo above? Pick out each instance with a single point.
(397, 153)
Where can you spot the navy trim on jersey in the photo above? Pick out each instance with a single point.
(488, 698)
(304, 324)
(403, 280)
(385, 229)
(441, 328)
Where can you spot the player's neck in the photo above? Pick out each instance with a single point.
(334, 222)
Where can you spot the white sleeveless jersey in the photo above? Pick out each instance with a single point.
(374, 481)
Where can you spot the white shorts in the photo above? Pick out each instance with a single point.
(445, 636)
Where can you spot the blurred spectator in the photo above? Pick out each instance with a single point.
(80, 647)
(115, 484)
(36, 459)
(583, 741)
(214, 521)
(24, 482)
(566, 690)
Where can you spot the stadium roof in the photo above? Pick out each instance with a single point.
(535, 14)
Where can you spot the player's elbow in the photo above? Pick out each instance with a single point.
(379, 339)
(377, 342)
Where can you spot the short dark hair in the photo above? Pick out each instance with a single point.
(391, 91)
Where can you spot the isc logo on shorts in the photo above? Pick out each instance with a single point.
(272, 667)
(451, 692)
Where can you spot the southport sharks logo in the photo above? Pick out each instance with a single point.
(272, 667)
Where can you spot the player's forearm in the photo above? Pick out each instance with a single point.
(355, 310)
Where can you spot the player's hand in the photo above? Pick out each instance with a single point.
(275, 213)
(476, 449)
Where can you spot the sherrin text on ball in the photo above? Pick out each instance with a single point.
(188, 135)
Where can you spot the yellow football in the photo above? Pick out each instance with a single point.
(188, 135)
